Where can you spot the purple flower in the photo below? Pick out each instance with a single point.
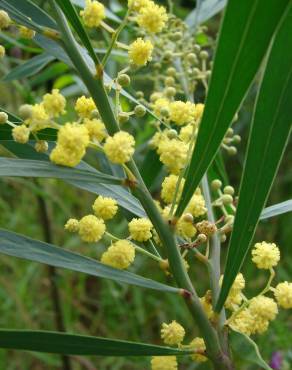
(276, 360)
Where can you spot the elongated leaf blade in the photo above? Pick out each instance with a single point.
(269, 134)
(10, 167)
(246, 33)
(246, 349)
(277, 209)
(205, 9)
(73, 344)
(21, 246)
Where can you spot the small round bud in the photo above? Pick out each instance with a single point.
(235, 118)
(202, 238)
(192, 58)
(216, 184)
(140, 94)
(206, 227)
(140, 110)
(157, 65)
(171, 71)
(72, 225)
(197, 48)
(176, 36)
(169, 81)
(123, 117)
(3, 118)
(41, 146)
(95, 114)
(25, 111)
(227, 199)
(164, 112)
(196, 72)
(204, 55)
(172, 134)
(223, 238)
(124, 79)
(232, 150)
(154, 96)
(170, 92)
(230, 131)
(237, 139)
(228, 190)
(188, 217)
(229, 219)
(168, 55)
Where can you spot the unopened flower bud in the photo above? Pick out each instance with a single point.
(201, 238)
(157, 65)
(206, 227)
(229, 219)
(230, 131)
(216, 184)
(196, 72)
(176, 36)
(172, 134)
(140, 110)
(123, 117)
(169, 81)
(227, 199)
(3, 118)
(237, 139)
(164, 112)
(95, 114)
(168, 55)
(197, 48)
(223, 238)
(232, 150)
(25, 111)
(192, 58)
(204, 55)
(41, 146)
(228, 190)
(171, 71)
(140, 94)
(188, 217)
(124, 79)
(170, 91)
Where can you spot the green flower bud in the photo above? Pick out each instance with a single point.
(232, 150)
(228, 190)
(124, 79)
(204, 55)
(237, 139)
(172, 134)
(164, 112)
(140, 94)
(216, 184)
(192, 58)
(123, 117)
(188, 217)
(25, 111)
(41, 146)
(3, 118)
(140, 110)
(171, 71)
(227, 199)
(169, 81)
(170, 91)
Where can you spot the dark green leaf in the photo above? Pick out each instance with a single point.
(268, 138)
(277, 209)
(10, 167)
(246, 349)
(30, 67)
(21, 246)
(72, 344)
(246, 33)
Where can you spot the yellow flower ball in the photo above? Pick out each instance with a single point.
(263, 308)
(197, 205)
(137, 5)
(172, 333)
(283, 294)
(234, 298)
(206, 302)
(72, 225)
(164, 363)
(152, 17)
(168, 188)
(120, 147)
(159, 104)
(265, 255)
(91, 228)
(199, 110)
(185, 228)
(20, 134)
(243, 322)
(93, 13)
(199, 346)
(4, 20)
(96, 129)
(140, 52)
(173, 154)
(180, 112)
(54, 103)
(105, 207)
(85, 107)
(26, 33)
(38, 118)
(120, 255)
(140, 229)
(187, 132)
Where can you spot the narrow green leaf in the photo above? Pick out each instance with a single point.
(204, 11)
(246, 32)
(30, 67)
(268, 138)
(21, 246)
(246, 349)
(10, 167)
(82, 345)
(277, 209)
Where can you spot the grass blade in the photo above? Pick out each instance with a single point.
(21, 246)
(268, 138)
(277, 209)
(246, 32)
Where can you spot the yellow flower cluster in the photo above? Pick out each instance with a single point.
(197, 205)
(96, 129)
(4, 20)
(91, 228)
(152, 17)
(85, 107)
(120, 147)
(140, 52)
(283, 294)
(93, 13)
(105, 207)
(72, 142)
(72, 225)
(20, 134)
(168, 188)
(265, 255)
(54, 103)
(173, 333)
(187, 132)
(38, 118)
(198, 345)
(185, 228)
(164, 363)
(234, 298)
(120, 255)
(137, 5)
(160, 104)
(173, 154)
(140, 229)
(181, 113)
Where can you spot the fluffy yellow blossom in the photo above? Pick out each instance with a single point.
(26, 33)
(96, 129)
(169, 186)
(197, 206)
(243, 322)
(140, 52)
(187, 132)
(173, 154)
(105, 207)
(265, 255)
(198, 111)
(140, 229)
(164, 363)
(172, 333)
(234, 298)
(152, 17)
(54, 103)
(120, 255)
(263, 308)
(283, 294)
(4, 20)
(93, 13)
(2, 51)
(120, 147)
(91, 228)
(71, 145)
(20, 134)
(72, 225)
(157, 140)
(185, 228)
(39, 118)
(199, 346)
(159, 104)
(206, 302)
(137, 5)
(85, 106)
(181, 113)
